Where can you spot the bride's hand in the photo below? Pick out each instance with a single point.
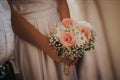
(52, 52)
(73, 62)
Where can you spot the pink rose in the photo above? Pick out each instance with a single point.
(87, 32)
(67, 39)
(67, 22)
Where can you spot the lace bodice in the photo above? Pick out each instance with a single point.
(28, 6)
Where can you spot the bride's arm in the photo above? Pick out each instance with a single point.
(63, 9)
(28, 32)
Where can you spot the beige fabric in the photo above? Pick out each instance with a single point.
(34, 63)
(6, 33)
(105, 16)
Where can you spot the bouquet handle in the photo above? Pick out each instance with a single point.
(66, 69)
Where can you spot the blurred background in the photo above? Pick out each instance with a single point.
(104, 15)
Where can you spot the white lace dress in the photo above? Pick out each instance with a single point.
(34, 63)
(6, 33)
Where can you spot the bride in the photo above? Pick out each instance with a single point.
(32, 22)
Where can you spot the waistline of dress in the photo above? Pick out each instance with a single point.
(40, 13)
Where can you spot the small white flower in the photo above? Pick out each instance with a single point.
(80, 39)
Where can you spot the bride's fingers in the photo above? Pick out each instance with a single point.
(57, 58)
(66, 60)
(74, 62)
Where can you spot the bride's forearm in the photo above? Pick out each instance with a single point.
(25, 30)
(63, 9)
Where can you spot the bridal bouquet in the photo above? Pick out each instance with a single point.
(72, 39)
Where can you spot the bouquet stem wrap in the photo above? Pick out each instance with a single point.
(66, 69)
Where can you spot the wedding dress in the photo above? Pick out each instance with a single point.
(33, 62)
